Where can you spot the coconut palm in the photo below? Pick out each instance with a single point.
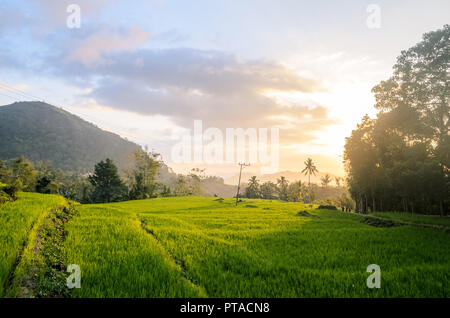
(310, 168)
(252, 190)
(338, 181)
(282, 188)
(326, 179)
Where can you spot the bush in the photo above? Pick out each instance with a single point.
(326, 207)
(4, 197)
(11, 190)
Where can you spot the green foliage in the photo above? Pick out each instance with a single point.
(268, 190)
(253, 191)
(310, 169)
(23, 174)
(4, 172)
(42, 132)
(297, 192)
(397, 162)
(108, 187)
(48, 271)
(165, 190)
(142, 178)
(4, 197)
(12, 189)
(283, 188)
(190, 184)
(192, 246)
(19, 221)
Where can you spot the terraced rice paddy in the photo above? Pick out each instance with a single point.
(19, 221)
(206, 247)
(193, 246)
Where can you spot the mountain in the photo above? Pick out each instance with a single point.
(212, 186)
(289, 175)
(42, 132)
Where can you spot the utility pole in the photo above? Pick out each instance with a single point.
(239, 183)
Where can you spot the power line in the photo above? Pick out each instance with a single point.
(18, 91)
(7, 95)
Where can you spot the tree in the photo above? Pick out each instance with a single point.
(309, 169)
(282, 188)
(181, 186)
(399, 161)
(4, 171)
(325, 180)
(23, 171)
(421, 82)
(47, 178)
(165, 190)
(190, 184)
(268, 190)
(195, 178)
(108, 187)
(252, 191)
(296, 192)
(338, 181)
(46, 185)
(142, 178)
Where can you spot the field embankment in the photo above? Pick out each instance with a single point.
(419, 219)
(19, 224)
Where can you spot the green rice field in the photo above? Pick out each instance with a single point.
(208, 247)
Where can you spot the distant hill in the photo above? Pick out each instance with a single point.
(215, 186)
(42, 132)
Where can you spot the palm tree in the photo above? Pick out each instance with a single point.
(282, 188)
(310, 168)
(326, 179)
(338, 181)
(252, 190)
(253, 181)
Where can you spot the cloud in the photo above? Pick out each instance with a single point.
(92, 49)
(188, 84)
(181, 84)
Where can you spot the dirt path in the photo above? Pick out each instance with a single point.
(179, 263)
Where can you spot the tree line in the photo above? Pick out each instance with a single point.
(399, 161)
(298, 191)
(105, 184)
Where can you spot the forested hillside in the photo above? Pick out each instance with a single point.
(42, 132)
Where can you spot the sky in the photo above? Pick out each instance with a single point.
(148, 69)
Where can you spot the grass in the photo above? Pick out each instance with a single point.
(415, 218)
(194, 247)
(19, 220)
(119, 259)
